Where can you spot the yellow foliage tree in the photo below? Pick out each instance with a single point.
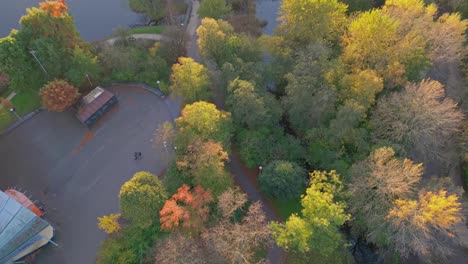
(417, 224)
(109, 223)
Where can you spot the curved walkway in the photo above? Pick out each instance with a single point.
(156, 37)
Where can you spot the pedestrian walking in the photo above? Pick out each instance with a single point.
(139, 155)
(136, 155)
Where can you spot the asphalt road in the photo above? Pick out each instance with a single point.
(77, 173)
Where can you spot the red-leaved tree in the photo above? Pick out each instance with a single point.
(187, 209)
(54, 8)
(58, 95)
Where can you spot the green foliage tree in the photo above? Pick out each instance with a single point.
(258, 147)
(218, 42)
(50, 32)
(282, 179)
(308, 21)
(309, 101)
(191, 81)
(216, 9)
(155, 9)
(249, 108)
(141, 198)
(316, 230)
(202, 120)
(133, 64)
(83, 64)
(174, 43)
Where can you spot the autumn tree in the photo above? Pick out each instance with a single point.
(304, 22)
(316, 231)
(191, 81)
(376, 183)
(212, 38)
(109, 223)
(362, 87)
(417, 224)
(309, 101)
(187, 209)
(250, 108)
(419, 117)
(283, 180)
(141, 198)
(58, 95)
(179, 249)
(216, 9)
(205, 161)
(218, 42)
(202, 120)
(238, 242)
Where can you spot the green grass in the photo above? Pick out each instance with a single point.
(147, 30)
(286, 208)
(26, 102)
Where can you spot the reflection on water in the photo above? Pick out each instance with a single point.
(268, 10)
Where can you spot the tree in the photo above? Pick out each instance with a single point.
(58, 95)
(173, 43)
(154, 9)
(361, 87)
(191, 81)
(417, 224)
(283, 180)
(309, 101)
(419, 118)
(216, 9)
(141, 198)
(109, 223)
(179, 249)
(82, 64)
(316, 230)
(50, 32)
(4, 81)
(205, 161)
(376, 183)
(370, 43)
(212, 38)
(187, 209)
(238, 242)
(259, 147)
(250, 109)
(203, 120)
(305, 22)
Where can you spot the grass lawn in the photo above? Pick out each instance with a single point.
(285, 209)
(147, 30)
(26, 102)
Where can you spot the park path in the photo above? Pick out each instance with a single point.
(244, 177)
(157, 37)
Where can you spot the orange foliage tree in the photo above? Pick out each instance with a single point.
(187, 209)
(54, 8)
(58, 95)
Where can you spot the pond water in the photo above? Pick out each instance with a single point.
(95, 19)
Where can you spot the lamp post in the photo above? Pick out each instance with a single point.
(89, 80)
(13, 110)
(33, 52)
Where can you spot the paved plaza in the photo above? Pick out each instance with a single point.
(76, 172)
